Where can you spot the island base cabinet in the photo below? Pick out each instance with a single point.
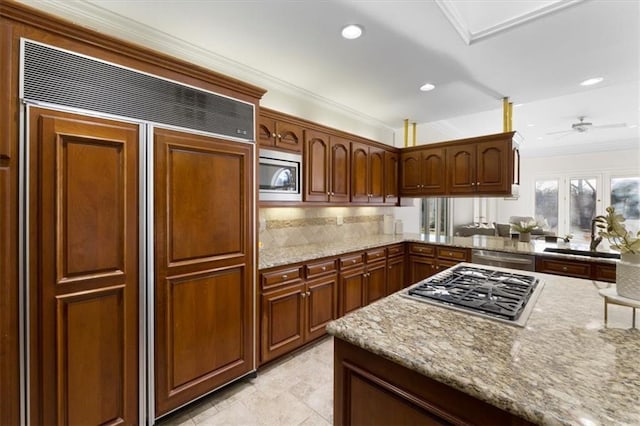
(371, 390)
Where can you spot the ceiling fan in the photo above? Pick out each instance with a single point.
(583, 126)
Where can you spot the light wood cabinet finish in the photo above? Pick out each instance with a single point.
(203, 265)
(84, 277)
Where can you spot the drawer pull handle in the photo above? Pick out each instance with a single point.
(353, 261)
(564, 268)
(450, 254)
(284, 277)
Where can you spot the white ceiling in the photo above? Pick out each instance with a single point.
(475, 52)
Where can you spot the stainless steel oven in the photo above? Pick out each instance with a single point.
(280, 176)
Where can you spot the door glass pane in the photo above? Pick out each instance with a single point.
(582, 206)
(547, 202)
(625, 197)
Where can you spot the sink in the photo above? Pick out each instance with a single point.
(583, 252)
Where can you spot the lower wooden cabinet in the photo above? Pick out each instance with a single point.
(362, 279)
(576, 268)
(426, 260)
(296, 311)
(371, 390)
(396, 279)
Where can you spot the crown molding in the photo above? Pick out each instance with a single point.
(451, 12)
(104, 21)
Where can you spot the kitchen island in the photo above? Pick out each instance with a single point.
(564, 367)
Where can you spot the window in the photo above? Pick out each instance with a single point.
(435, 217)
(625, 197)
(568, 203)
(582, 205)
(546, 202)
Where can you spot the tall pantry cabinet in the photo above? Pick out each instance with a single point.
(127, 235)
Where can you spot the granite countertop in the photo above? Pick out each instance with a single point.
(564, 367)
(272, 257)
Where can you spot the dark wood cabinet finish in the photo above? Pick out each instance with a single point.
(482, 168)
(391, 177)
(367, 173)
(351, 289)
(298, 310)
(84, 277)
(576, 268)
(371, 390)
(426, 260)
(362, 279)
(396, 274)
(203, 265)
(423, 172)
(276, 132)
(327, 168)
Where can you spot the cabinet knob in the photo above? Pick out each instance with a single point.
(308, 294)
(353, 261)
(332, 193)
(273, 135)
(328, 193)
(564, 268)
(284, 277)
(473, 184)
(450, 254)
(324, 268)
(279, 136)
(303, 294)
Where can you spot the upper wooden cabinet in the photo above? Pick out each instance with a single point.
(486, 165)
(423, 172)
(276, 131)
(367, 173)
(327, 168)
(391, 176)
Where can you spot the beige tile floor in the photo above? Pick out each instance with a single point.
(295, 390)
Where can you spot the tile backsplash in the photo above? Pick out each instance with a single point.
(285, 227)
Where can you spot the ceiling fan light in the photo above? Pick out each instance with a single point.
(591, 81)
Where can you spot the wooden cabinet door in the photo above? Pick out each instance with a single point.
(282, 322)
(359, 173)
(266, 132)
(289, 136)
(83, 269)
(410, 172)
(376, 175)
(420, 268)
(351, 290)
(316, 166)
(322, 304)
(391, 176)
(340, 170)
(395, 274)
(376, 283)
(461, 166)
(494, 174)
(204, 281)
(434, 173)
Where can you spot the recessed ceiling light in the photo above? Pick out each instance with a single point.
(517, 105)
(633, 126)
(591, 81)
(530, 125)
(427, 86)
(352, 31)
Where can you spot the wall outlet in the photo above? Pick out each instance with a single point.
(339, 220)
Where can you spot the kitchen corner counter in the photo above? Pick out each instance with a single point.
(272, 257)
(564, 367)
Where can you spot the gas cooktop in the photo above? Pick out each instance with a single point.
(496, 294)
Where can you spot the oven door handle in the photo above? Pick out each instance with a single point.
(504, 259)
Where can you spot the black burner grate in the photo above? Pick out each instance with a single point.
(498, 293)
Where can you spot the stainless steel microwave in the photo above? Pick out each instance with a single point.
(280, 176)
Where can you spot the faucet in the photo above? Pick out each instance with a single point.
(594, 240)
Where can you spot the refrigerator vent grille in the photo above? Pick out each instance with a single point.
(59, 77)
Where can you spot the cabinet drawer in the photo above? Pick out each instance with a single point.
(569, 269)
(281, 276)
(396, 250)
(350, 261)
(320, 268)
(604, 272)
(422, 249)
(459, 254)
(375, 255)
